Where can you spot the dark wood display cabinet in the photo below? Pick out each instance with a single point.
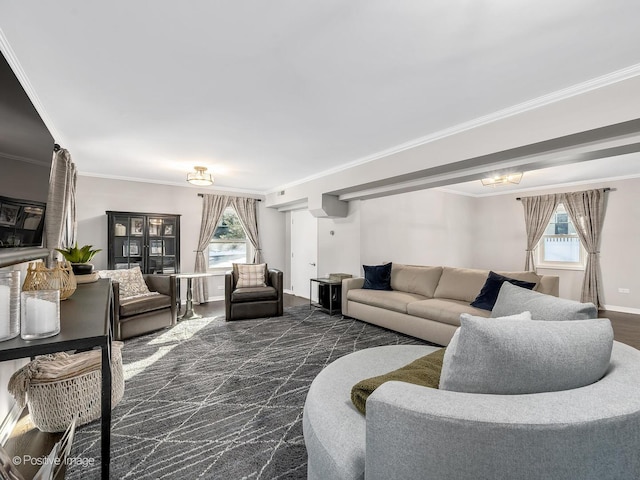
(148, 240)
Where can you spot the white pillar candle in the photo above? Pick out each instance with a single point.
(5, 311)
(40, 314)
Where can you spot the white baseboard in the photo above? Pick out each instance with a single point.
(286, 290)
(615, 308)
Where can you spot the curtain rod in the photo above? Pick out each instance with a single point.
(257, 199)
(607, 189)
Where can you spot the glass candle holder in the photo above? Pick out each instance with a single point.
(9, 305)
(40, 314)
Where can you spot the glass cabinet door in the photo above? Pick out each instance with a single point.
(128, 246)
(162, 245)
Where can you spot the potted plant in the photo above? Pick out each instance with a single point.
(79, 258)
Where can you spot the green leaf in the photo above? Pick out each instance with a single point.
(78, 255)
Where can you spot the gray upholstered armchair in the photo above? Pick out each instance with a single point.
(137, 315)
(253, 302)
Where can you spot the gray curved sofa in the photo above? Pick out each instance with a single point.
(414, 432)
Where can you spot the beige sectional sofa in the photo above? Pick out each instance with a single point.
(426, 301)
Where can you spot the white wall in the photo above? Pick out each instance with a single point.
(501, 240)
(427, 227)
(340, 252)
(97, 195)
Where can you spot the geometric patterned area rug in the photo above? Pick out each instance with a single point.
(222, 400)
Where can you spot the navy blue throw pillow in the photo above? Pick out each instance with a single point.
(487, 297)
(378, 277)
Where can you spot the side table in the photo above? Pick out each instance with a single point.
(329, 295)
(189, 312)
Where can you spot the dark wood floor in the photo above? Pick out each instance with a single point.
(626, 326)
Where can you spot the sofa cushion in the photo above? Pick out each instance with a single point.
(443, 310)
(377, 277)
(251, 294)
(250, 275)
(415, 279)
(513, 299)
(524, 276)
(486, 299)
(130, 281)
(513, 356)
(143, 303)
(390, 300)
(460, 283)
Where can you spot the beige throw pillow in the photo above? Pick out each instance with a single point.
(131, 281)
(251, 275)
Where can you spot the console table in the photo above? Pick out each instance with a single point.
(85, 323)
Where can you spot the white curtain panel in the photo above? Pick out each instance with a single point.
(212, 209)
(60, 221)
(246, 210)
(537, 213)
(587, 214)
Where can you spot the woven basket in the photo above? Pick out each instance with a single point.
(54, 403)
(60, 277)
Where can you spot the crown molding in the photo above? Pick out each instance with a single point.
(19, 158)
(544, 100)
(13, 62)
(214, 188)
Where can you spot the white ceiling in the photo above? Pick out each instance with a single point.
(623, 166)
(267, 93)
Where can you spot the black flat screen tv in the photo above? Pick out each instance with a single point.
(26, 149)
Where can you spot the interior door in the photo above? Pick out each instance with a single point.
(304, 252)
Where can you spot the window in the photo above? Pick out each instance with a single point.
(229, 243)
(560, 246)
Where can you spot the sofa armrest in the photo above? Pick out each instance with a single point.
(348, 284)
(166, 285)
(115, 288)
(228, 290)
(276, 280)
(549, 284)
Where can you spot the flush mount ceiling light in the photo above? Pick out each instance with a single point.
(510, 178)
(200, 177)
